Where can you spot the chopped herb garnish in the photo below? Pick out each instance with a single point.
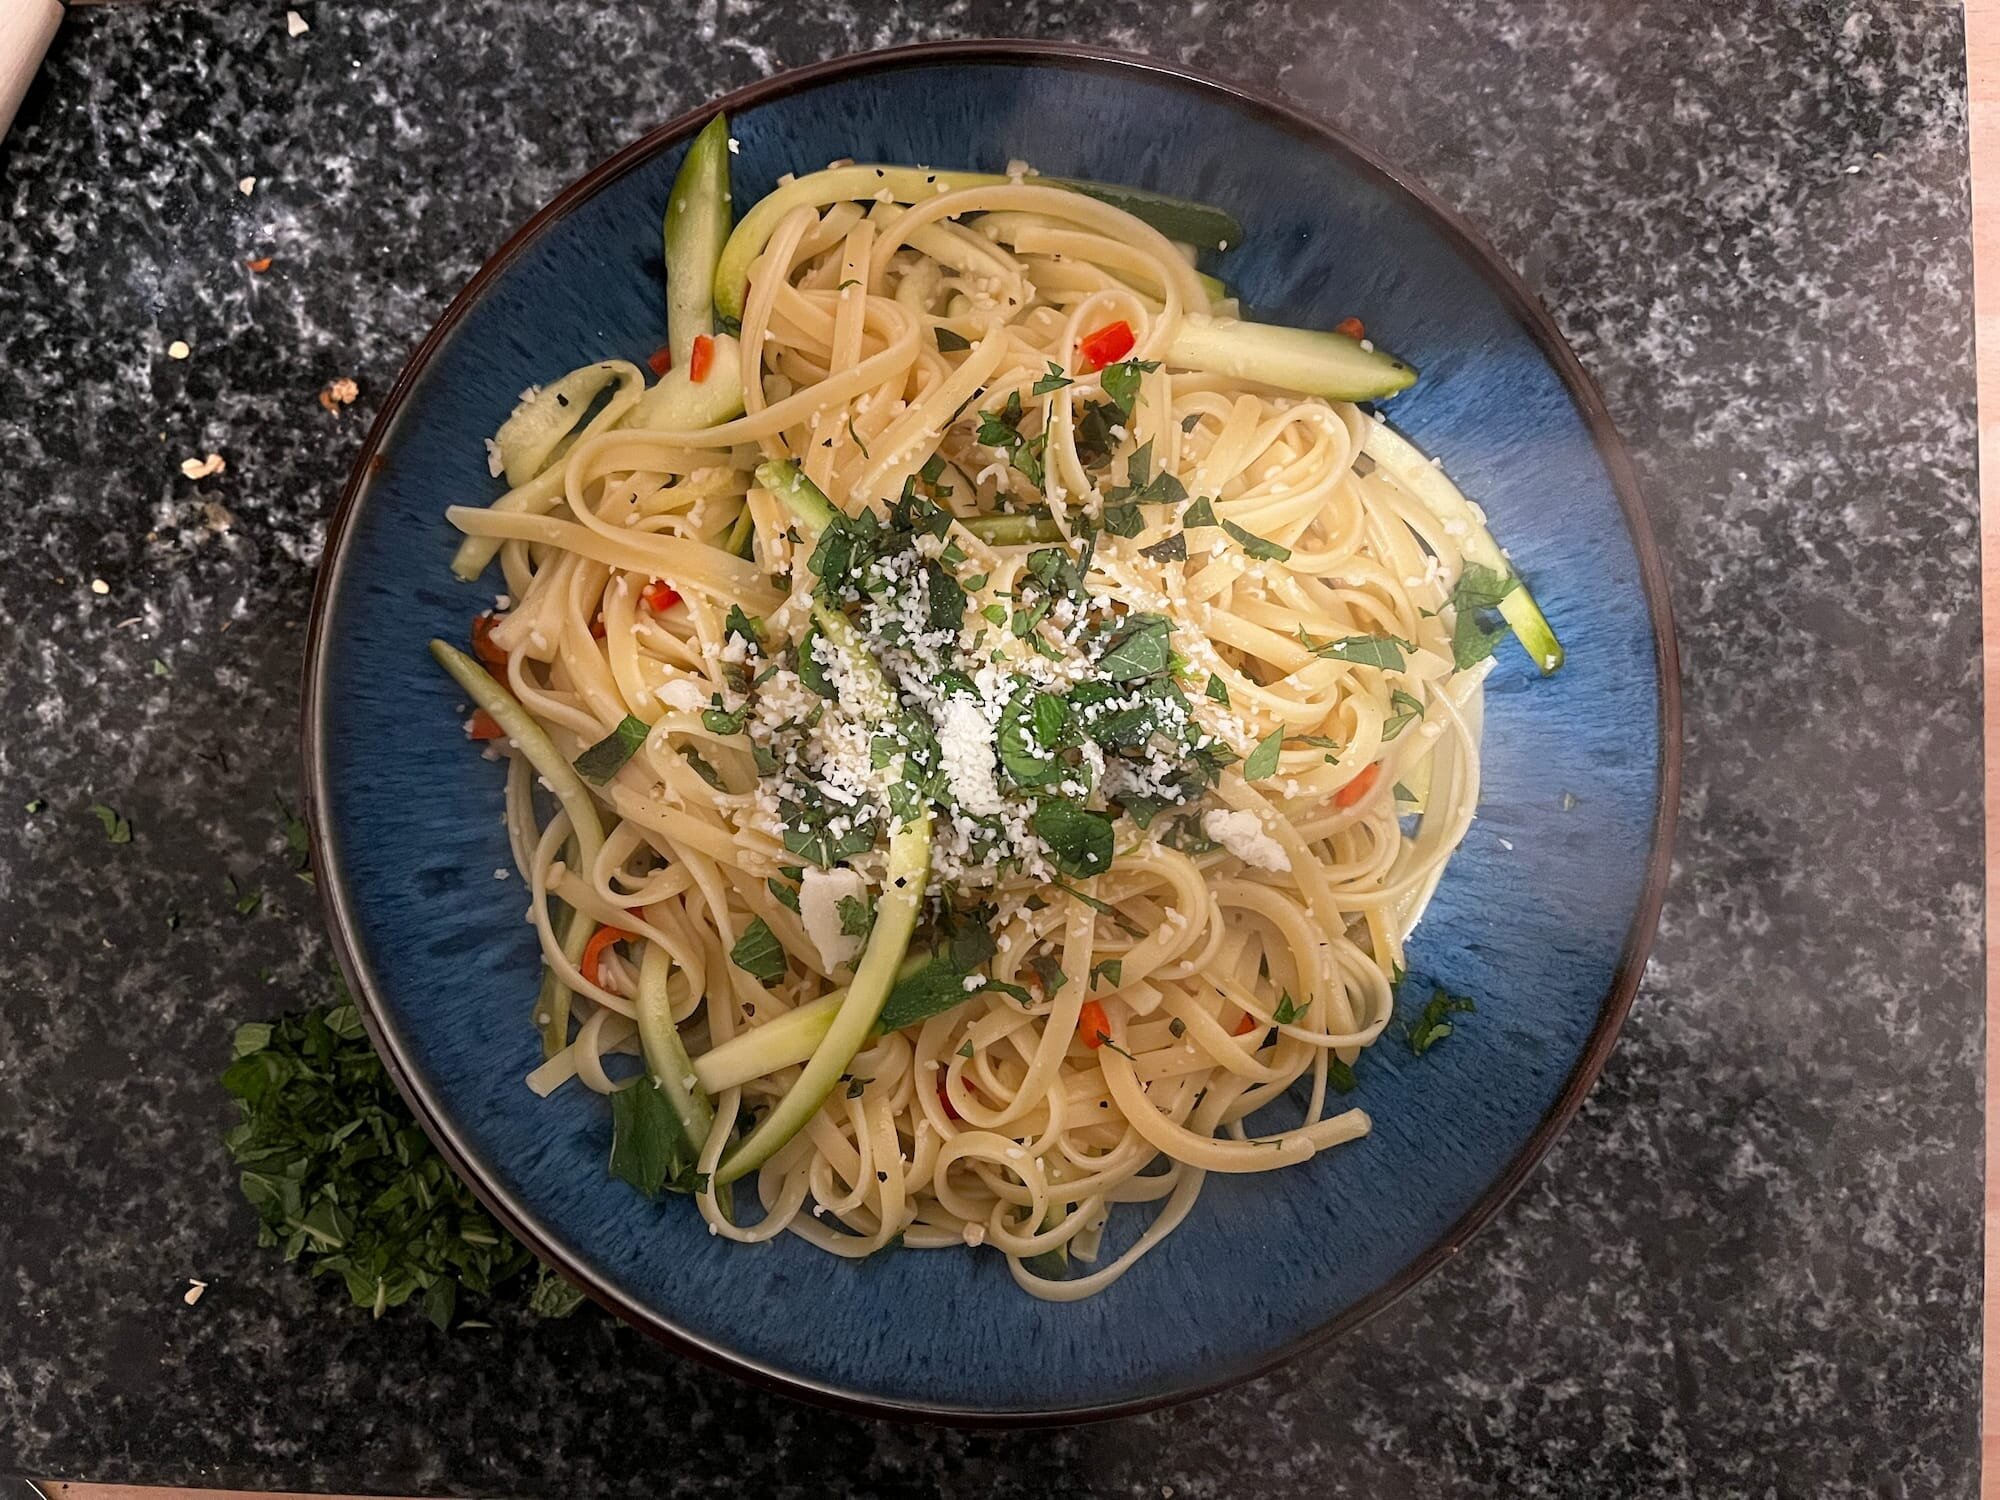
(1124, 520)
(603, 760)
(758, 953)
(1263, 761)
(344, 1182)
(1049, 972)
(241, 896)
(749, 629)
(1340, 1075)
(1079, 841)
(1218, 689)
(857, 916)
(1139, 650)
(1403, 794)
(647, 1144)
(1055, 380)
(1177, 1027)
(1110, 970)
(1201, 513)
(949, 342)
(1408, 707)
(1434, 1025)
(718, 720)
(1287, 1011)
(1191, 421)
(856, 1087)
(36, 804)
(116, 828)
(702, 767)
(1473, 635)
(160, 668)
(856, 438)
(1384, 651)
(1121, 382)
(1256, 546)
(965, 1048)
(1168, 549)
(787, 894)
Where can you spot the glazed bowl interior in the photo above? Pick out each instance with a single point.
(1542, 917)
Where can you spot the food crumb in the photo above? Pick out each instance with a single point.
(338, 392)
(178, 349)
(260, 265)
(99, 586)
(295, 24)
(246, 185)
(193, 1294)
(201, 468)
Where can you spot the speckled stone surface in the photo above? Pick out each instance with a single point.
(1751, 1267)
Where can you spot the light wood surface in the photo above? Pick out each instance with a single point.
(26, 29)
(1982, 65)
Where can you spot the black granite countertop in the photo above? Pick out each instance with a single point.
(1752, 1266)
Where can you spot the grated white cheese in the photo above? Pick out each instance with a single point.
(1242, 834)
(965, 737)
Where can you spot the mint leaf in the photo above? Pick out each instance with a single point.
(1263, 761)
(949, 342)
(1256, 546)
(758, 953)
(1434, 1025)
(1384, 651)
(1079, 842)
(603, 760)
(1218, 690)
(117, 830)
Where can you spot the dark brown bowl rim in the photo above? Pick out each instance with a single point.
(1638, 939)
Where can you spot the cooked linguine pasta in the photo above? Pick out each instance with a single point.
(980, 733)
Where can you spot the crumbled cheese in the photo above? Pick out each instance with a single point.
(195, 1288)
(178, 349)
(246, 185)
(965, 736)
(1242, 834)
(495, 464)
(820, 893)
(295, 24)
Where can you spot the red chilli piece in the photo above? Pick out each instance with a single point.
(661, 360)
(1359, 787)
(484, 726)
(1351, 327)
(1107, 345)
(483, 645)
(658, 596)
(700, 358)
(1093, 1026)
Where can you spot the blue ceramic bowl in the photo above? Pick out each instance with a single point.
(1544, 916)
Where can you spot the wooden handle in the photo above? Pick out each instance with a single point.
(26, 29)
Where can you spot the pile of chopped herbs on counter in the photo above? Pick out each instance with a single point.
(345, 1182)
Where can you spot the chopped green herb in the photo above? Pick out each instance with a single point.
(1055, 380)
(1139, 650)
(1256, 546)
(116, 829)
(1218, 689)
(787, 894)
(1201, 513)
(1110, 970)
(1121, 382)
(949, 342)
(856, 437)
(1079, 842)
(1384, 651)
(1124, 520)
(160, 668)
(646, 1140)
(1177, 1027)
(1049, 972)
(1191, 421)
(758, 953)
(1103, 908)
(1318, 741)
(749, 629)
(1403, 794)
(1408, 708)
(1473, 635)
(718, 720)
(1168, 549)
(856, 1087)
(857, 916)
(241, 896)
(1340, 1075)
(1263, 761)
(1287, 1011)
(36, 804)
(965, 1048)
(996, 613)
(1434, 1025)
(344, 1182)
(701, 767)
(603, 760)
